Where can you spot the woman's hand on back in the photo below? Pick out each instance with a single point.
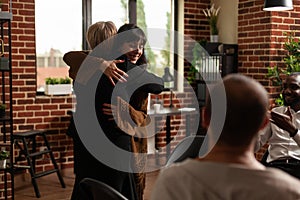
(113, 72)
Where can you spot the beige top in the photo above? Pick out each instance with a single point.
(193, 179)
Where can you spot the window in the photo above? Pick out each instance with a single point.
(62, 31)
(158, 25)
(58, 30)
(161, 22)
(115, 11)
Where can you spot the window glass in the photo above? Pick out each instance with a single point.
(159, 39)
(58, 30)
(115, 11)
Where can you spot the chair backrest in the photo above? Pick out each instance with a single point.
(92, 189)
(189, 147)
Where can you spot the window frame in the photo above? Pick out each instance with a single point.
(132, 14)
(87, 21)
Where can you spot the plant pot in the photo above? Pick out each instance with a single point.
(58, 89)
(214, 38)
(3, 164)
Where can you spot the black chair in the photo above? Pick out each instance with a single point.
(91, 189)
(189, 147)
(26, 142)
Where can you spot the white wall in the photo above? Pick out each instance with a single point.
(228, 20)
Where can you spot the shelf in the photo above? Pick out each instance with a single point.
(5, 118)
(6, 122)
(4, 16)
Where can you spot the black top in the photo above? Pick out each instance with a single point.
(139, 84)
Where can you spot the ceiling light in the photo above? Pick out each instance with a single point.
(278, 5)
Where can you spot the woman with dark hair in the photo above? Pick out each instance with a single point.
(133, 45)
(131, 98)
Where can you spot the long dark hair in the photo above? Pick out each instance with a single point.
(136, 34)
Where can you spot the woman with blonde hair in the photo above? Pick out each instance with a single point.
(97, 34)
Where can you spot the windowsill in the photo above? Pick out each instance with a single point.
(40, 94)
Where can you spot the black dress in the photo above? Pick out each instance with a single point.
(135, 92)
(85, 164)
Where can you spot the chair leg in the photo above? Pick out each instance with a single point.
(61, 180)
(31, 169)
(27, 138)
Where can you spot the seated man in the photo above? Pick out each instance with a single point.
(230, 170)
(283, 135)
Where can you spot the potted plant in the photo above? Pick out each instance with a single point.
(58, 86)
(212, 18)
(292, 64)
(194, 70)
(2, 109)
(3, 156)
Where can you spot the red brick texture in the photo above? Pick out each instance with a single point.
(29, 110)
(260, 39)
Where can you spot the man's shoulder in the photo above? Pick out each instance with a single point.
(188, 163)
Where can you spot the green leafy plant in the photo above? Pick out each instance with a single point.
(4, 154)
(279, 101)
(193, 70)
(292, 63)
(54, 81)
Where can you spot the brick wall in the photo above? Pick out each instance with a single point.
(44, 112)
(260, 41)
(195, 25)
(29, 110)
(261, 38)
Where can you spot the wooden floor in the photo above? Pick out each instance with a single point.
(51, 189)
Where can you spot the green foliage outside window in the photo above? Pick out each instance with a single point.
(193, 70)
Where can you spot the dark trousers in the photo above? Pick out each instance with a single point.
(87, 166)
(290, 166)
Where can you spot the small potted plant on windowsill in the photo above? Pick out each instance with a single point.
(2, 110)
(58, 86)
(3, 158)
